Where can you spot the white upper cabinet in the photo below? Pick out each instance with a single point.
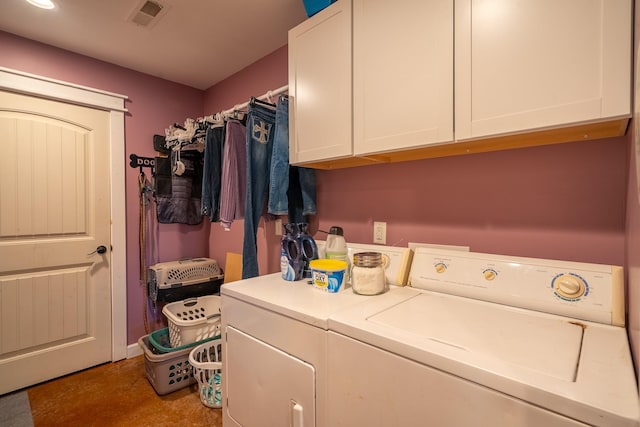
(402, 74)
(532, 64)
(320, 86)
(379, 81)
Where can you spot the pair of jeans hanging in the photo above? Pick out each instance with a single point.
(292, 190)
(260, 133)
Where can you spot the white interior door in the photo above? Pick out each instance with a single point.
(55, 299)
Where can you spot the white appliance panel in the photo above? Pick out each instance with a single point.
(372, 387)
(583, 291)
(396, 260)
(269, 387)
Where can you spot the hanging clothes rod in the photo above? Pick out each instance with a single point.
(263, 97)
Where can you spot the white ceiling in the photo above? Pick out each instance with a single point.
(194, 42)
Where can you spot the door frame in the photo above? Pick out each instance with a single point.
(43, 87)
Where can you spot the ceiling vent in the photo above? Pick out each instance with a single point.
(147, 13)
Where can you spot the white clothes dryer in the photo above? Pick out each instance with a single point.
(274, 351)
(275, 346)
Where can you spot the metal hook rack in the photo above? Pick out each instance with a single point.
(142, 162)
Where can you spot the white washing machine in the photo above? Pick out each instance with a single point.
(275, 347)
(485, 340)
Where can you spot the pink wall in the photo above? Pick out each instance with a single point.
(153, 104)
(563, 201)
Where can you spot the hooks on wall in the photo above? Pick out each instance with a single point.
(142, 162)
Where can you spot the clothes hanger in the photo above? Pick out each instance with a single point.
(238, 114)
(255, 101)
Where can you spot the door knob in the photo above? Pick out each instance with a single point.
(100, 249)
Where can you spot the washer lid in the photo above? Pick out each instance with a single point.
(548, 345)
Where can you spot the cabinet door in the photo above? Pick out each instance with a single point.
(320, 86)
(402, 74)
(531, 64)
(266, 386)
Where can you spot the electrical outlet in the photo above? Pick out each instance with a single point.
(278, 227)
(380, 232)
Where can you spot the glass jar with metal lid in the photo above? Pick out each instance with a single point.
(367, 274)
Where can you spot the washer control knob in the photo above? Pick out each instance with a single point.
(440, 267)
(569, 286)
(489, 274)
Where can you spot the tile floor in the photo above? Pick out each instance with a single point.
(116, 394)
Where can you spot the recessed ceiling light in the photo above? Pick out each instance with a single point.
(43, 4)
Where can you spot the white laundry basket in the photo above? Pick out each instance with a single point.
(206, 360)
(193, 319)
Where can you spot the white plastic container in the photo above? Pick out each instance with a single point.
(328, 275)
(193, 319)
(336, 246)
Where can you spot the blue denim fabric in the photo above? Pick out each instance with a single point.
(212, 172)
(260, 133)
(302, 193)
(307, 180)
(292, 190)
(279, 176)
